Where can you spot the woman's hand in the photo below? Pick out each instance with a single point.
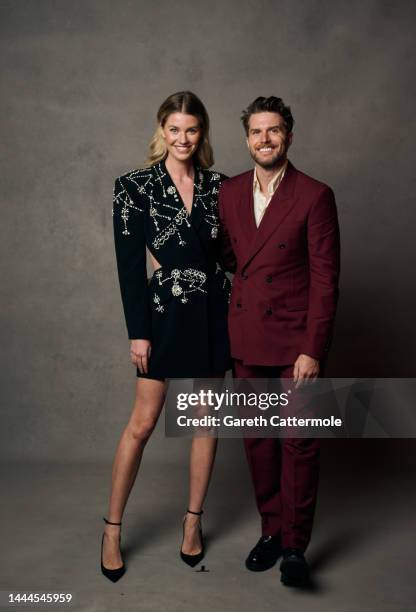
(139, 353)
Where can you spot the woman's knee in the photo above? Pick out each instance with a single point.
(141, 430)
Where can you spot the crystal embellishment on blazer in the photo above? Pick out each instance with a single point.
(121, 198)
(156, 194)
(176, 289)
(184, 283)
(159, 306)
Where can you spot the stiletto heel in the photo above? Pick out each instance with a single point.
(192, 560)
(111, 574)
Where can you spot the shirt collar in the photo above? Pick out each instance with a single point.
(271, 187)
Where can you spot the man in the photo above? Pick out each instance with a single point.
(280, 231)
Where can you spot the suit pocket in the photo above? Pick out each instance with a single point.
(293, 304)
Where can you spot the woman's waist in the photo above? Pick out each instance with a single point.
(189, 269)
(196, 278)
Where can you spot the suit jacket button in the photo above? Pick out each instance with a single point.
(282, 245)
(244, 276)
(269, 278)
(269, 311)
(238, 305)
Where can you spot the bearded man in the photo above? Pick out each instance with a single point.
(280, 233)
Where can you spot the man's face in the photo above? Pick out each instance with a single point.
(268, 139)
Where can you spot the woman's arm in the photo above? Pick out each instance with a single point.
(130, 246)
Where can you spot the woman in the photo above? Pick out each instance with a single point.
(177, 322)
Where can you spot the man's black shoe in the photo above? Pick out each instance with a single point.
(265, 554)
(294, 568)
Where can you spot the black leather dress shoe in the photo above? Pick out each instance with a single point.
(294, 568)
(265, 554)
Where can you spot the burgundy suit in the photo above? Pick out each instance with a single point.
(283, 303)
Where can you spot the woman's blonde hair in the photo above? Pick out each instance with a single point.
(188, 103)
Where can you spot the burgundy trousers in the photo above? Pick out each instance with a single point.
(285, 473)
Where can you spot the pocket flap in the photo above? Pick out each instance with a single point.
(297, 304)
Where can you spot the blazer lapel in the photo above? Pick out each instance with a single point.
(200, 208)
(279, 207)
(166, 192)
(246, 210)
(170, 196)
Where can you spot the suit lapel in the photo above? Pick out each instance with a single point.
(279, 207)
(246, 209)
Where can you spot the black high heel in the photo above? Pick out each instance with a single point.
(111, 574)
(193, 560)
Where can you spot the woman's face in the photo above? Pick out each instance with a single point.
(182, 134)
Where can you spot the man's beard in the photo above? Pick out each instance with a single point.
(274, 162)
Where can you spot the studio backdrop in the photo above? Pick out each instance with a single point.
(81, 84)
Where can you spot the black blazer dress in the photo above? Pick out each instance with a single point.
(182, 310)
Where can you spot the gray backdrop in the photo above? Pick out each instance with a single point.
(81, 83)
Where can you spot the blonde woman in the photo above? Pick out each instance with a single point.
(177, 322)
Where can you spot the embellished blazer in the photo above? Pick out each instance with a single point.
(148, 212)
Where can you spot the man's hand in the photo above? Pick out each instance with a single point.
(305, 368)
(139, 353)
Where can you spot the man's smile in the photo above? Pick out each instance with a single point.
(266, 149)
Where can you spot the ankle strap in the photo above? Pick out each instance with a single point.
(197, 513)
(109, 522)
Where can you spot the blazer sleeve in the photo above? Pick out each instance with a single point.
(130, 247)
(324, 267)
(226, 256)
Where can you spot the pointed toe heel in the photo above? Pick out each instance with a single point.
(193, 560)
(111, 574)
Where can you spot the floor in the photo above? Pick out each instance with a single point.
(361, 554)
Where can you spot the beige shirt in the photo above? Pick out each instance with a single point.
(262, 201)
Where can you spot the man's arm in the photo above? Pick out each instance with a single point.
(324, 266)
(225, 254)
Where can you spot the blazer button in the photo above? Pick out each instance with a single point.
(269, 278)
(282, 245)
(244, 276)
(269, 311)
(238, 305)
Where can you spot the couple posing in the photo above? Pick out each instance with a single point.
(276, 229)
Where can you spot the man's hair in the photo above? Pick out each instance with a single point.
(268, 105)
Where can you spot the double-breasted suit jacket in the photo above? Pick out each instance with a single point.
(285, 288)
(183, 309)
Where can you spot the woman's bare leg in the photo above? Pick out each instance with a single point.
(202, 457)
(150, 395)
